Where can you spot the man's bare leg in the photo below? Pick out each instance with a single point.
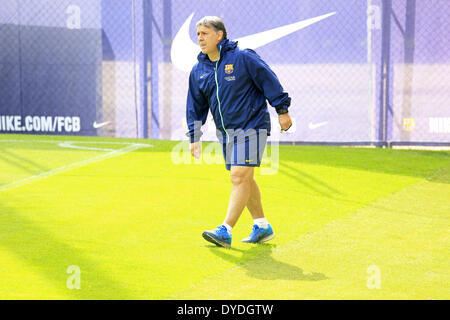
(264, 232)
(254, 204)
(241, 186)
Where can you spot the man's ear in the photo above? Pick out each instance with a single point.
(220, 34)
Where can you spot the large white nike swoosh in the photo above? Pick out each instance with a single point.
(184, 51)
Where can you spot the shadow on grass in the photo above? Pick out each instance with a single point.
(23, 163)
(259, 263)
(441, 175)
(309, 181)
(50, 257)
(413, 163)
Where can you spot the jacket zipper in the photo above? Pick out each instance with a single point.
(217, 94)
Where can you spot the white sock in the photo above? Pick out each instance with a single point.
(261, 222)
(229, 228)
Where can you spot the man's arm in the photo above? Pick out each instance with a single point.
(267, 81)
(196, 114)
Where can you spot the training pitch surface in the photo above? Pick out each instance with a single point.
(118, 219)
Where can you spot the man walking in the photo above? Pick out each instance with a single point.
(234, 84)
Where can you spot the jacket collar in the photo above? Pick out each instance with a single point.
(226, 45)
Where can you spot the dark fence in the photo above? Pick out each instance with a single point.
(359, 72)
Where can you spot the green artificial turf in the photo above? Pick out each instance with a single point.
(130, 218)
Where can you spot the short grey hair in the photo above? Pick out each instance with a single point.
(213, 21)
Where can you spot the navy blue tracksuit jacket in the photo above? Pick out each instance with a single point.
(235, 88)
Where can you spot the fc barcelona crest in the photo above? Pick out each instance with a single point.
(229, 69)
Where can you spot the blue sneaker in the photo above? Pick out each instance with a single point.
(259, 235)
(218, 236)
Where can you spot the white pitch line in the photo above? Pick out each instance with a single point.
(68, 141)
(69, 144)
(46, 174)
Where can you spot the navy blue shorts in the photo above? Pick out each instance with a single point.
(245, 149)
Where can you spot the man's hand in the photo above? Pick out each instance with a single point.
(196, 149)
(285, 121)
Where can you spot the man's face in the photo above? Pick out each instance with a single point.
(208, 39)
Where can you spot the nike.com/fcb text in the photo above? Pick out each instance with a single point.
(39, 124)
